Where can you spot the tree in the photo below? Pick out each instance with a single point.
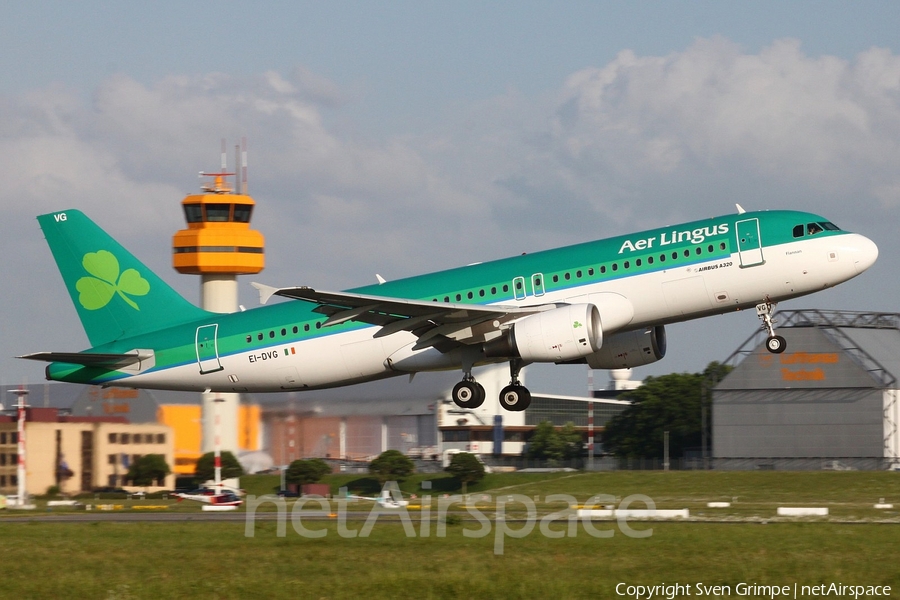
(307, 471)
(391, 465)
(466, 468)
(550, 443)
(206, 466)
(148, 469)
(667, 403)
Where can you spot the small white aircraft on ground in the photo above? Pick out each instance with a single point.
(385, 499)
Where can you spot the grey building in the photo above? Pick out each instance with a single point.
(829, 401)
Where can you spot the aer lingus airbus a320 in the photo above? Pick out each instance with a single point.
(604, 303)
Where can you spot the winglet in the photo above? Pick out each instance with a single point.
(265, 291)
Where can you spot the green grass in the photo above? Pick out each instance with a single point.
(110, 560)
(199, 560)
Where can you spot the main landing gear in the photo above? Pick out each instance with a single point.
(468, 393)
(774, 343)
(515, 397)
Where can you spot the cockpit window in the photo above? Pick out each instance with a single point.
(814, 228)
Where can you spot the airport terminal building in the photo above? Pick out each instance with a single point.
(828, 402)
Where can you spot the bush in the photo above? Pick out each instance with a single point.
(391, 465)
(307, 471)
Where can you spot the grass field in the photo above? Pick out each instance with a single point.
(109, 560)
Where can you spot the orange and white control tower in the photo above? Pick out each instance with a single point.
(219, 245)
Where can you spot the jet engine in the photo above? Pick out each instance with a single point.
(630, 349)
(557, 335)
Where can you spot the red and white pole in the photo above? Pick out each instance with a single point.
(590, 419)
(218, 447)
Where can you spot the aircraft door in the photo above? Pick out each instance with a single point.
(537, 284)
(207, 349)
(519, 292)
(749, 243)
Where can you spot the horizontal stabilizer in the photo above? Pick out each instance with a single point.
(92, 359)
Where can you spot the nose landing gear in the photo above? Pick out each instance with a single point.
(774, 343)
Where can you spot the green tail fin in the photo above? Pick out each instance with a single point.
(114, 293)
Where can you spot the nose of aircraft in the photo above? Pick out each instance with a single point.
(865, 253)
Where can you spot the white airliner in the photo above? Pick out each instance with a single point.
(604, 303)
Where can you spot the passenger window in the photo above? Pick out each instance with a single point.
(603, 269)
(295, 329)
(591, 272)
(637, 263)
(470, 295)
(259, 336)
(249, 338)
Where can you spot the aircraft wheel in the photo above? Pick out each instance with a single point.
(776, 344)
(515, 398)
(468, 394)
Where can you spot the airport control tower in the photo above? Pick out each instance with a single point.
(219, 245)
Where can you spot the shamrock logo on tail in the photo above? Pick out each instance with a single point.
(96, 292)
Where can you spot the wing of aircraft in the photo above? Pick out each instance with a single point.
(434, 323)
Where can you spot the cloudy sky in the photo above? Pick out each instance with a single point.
(405, 137)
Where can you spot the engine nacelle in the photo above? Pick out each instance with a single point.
(630, 349)
(557, 335)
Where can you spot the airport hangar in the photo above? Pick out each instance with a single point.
(830, 401)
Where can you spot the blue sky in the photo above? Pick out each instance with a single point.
(403, 137)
